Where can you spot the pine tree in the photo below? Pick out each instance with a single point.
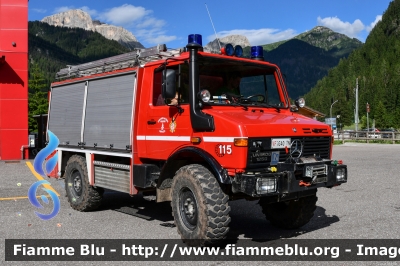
(380, 115)
(38, 103)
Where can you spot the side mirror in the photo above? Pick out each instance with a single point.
(169, 84)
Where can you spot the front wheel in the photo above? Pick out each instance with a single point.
(290, 214)
(199, 206)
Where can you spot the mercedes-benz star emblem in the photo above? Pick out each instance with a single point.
(296, 148)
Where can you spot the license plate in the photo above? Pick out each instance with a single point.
(280, 143)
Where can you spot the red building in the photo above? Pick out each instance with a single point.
(13, 78)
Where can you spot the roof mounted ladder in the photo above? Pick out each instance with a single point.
(132, 59)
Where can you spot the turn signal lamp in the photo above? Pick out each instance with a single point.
(241, 142)
(195, 140)
(195, 39)
(257, 53)
(238, 51)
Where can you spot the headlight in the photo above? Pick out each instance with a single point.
(205, 96)
(265, 185)
(341, 175)
(300, 102)
(309, 171)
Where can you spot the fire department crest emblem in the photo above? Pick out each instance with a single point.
(162, 120)
(172, 126)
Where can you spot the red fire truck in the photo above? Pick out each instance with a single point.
(169, 122)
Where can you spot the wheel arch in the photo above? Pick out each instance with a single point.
(182, 157)
(189, 155)
(65, 156)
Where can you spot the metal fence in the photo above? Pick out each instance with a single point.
(365, 136)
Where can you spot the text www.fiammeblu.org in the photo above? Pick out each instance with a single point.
(231, 251)
(285, 250)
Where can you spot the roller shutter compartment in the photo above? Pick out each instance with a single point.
(66, 108)
(108, 116)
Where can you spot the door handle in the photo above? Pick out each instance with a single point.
(151, 122)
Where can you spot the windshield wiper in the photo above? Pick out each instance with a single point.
(235, 100)
(270, 106)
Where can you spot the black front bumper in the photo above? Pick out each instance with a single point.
(289, 179)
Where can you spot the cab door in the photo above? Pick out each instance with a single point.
(167, 126)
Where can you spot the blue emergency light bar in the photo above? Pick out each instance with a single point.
(238, 51)
(229, 49)
(257, 53)
(195, 39)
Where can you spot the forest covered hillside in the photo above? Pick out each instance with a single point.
(52, 48)
(376, 65)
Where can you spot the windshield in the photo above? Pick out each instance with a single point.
(229, 81)
(244, 83)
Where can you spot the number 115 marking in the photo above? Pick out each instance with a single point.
(225, 149)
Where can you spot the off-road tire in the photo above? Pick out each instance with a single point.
(290, 214)
(81, 195)
(205, 218)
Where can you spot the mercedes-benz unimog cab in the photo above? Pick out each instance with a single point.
(194, 128)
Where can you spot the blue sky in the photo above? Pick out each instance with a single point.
(261, 21)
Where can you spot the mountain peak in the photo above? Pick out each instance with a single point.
(328, 39)
(321, 29)
(77, 18)
(241, 40)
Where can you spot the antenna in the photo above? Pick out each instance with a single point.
(213, 26)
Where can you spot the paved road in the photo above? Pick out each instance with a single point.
(367, 207)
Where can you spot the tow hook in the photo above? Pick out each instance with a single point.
(304, 184)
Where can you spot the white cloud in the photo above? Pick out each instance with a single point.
(39, 10)
(124, 15)
(259, 36)
(161, 39)
(372, 25)
(347, 28)
(151, 22)
(153, 36)
(140, 21)
(91, 12)
(62, 9)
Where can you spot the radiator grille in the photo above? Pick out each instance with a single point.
(259, 153)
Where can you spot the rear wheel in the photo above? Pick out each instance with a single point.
(290, 214)
(199, 206)
(81, 195)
